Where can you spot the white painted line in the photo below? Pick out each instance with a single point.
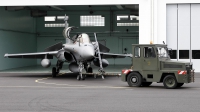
(87, 87)
(41, 81)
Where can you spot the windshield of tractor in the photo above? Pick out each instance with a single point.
(162, 52)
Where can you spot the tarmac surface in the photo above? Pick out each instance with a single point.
(38, 92)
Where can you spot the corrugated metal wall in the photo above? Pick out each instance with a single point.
(183, 24)
(16, 36)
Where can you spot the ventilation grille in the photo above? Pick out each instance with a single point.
(172, 66)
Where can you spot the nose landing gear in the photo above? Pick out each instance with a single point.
(81, 76)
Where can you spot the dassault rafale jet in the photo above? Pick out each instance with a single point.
(79, 51)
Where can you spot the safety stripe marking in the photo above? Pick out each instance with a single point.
(182, 72)
(126, 71)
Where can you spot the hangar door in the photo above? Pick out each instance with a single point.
(125, 46)
(183, 24)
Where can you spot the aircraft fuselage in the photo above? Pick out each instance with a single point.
(81, 51)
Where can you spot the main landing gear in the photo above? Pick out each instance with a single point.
(56, 70)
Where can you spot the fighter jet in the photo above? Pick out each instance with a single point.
(78, 51)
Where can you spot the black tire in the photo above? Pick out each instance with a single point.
(170, 82)
(54, 73)
(134, 79)
(90, 70)
(78, 77)
(180, 84)
(146, 84)
(58, 71)
(83, 78)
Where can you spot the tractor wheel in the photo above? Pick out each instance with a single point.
(134, 79)
(170, 82)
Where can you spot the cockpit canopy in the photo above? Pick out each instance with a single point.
(84, 38)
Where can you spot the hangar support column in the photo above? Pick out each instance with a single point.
(152, 24)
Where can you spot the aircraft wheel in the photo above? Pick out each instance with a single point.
(54, 72)
(180, 84)
(134, 79)
(170, 82)
(95, 76)
(58, 71)
(146, 84)
(90, 70)
(83, 78)
(78, 77)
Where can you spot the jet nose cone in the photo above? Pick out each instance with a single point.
(89, 53)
